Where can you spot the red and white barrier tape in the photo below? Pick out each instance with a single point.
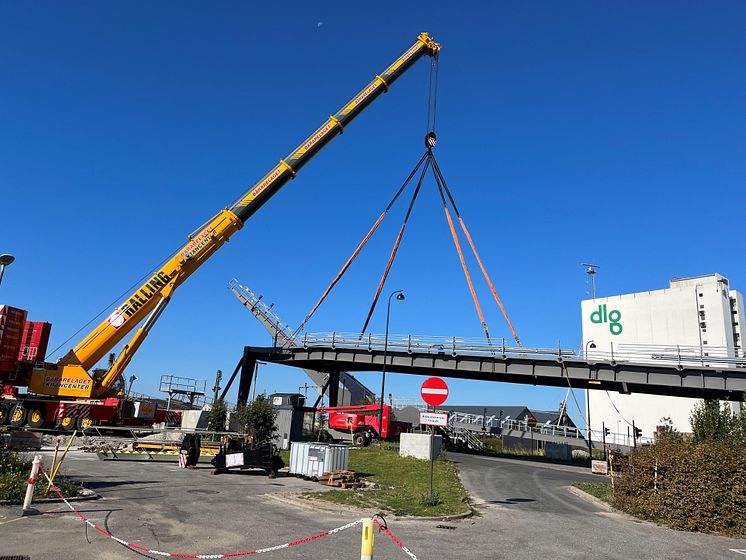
(397, 542)
(138, 548)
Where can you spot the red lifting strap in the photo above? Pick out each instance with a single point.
(396, 245)
(360, 247)
(442, 186)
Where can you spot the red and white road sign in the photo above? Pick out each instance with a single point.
(434, 391)
(531, 422)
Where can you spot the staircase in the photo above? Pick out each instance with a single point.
(351, 392)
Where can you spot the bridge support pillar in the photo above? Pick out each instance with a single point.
(248, 365)
(333, 388)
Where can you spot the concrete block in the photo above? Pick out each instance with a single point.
(194, 419)
(418, 446)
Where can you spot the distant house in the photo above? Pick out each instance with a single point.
(515, 413)
(549, 417)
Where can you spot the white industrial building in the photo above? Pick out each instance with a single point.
(694, 321)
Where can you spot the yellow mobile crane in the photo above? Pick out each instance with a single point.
(73, 376)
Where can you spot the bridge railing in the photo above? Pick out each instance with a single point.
(430, 344)
(680, 354)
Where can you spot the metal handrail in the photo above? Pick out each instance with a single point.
(430, 344)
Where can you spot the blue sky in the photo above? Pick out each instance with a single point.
(569, 132)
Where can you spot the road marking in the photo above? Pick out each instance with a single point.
(739, 550)
(12, 520)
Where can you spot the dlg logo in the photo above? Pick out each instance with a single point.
(613, 317)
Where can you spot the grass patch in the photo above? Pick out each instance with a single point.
(14, 473)
(400, 485)
(600, 490)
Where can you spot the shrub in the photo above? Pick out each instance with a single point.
(257, 419)
(688, 485)
(217, 416)
(711, 421)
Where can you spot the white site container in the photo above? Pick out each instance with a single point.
(316, 459)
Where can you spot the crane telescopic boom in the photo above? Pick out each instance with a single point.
(73, 375)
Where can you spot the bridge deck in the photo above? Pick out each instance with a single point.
(525, 366)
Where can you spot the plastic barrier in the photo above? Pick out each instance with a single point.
(142, 549)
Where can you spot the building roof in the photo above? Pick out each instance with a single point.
(514, 412)
(551, 416)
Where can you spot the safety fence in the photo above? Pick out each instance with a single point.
(382, 527)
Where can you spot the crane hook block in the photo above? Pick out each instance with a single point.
(430, 140)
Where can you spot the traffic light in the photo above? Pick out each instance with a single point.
(607, 431)
(638, 433)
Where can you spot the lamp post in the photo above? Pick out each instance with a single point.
(5, 260)
(400, 296)
(256, 379)
(589, 344)
(132, 380)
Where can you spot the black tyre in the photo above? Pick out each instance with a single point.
(36, 417)
(66, 424)
(4, 414)
(18, 416)
(360, 440)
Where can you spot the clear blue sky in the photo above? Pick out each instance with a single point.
(569, 132)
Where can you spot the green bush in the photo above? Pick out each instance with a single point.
(217, 416)
(257, 419)
(687, 485)
(14, 473)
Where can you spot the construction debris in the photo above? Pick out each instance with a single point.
(342, 479)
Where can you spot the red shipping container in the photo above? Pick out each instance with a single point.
(35, 341)
(12, 322)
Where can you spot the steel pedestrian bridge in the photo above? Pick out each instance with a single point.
(674, 370)
(461, 358)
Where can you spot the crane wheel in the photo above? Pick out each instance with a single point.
(18, 416)
(36, 418)
(84, 423)
(4, 414)
(67, 424)
(359, 440)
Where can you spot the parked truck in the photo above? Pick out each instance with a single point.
(359, 424)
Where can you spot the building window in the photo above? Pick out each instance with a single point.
(701, 295)
(703, 326)
(701, 314)
(704, 342)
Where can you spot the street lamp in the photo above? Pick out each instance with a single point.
(400, 296)
(5, 260)
(256, 379)
(589, 344)
(132, 380)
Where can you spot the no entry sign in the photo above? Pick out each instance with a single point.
(434, 391)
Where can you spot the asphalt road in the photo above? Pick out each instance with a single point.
(526, 512)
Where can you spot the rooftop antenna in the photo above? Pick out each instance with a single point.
(590, 270)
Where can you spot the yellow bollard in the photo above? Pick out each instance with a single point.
(366, 547)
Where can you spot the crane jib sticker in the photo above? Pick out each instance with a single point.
(263, 185)
(361, 96)
(197, 243)
(320, 133)
(138, 299)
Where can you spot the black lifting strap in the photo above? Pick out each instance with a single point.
(396, 244)
(359, 247)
